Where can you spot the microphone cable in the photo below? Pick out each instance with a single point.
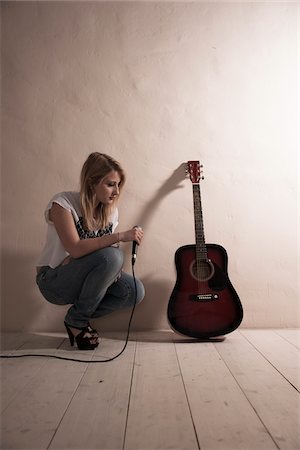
(92, 361)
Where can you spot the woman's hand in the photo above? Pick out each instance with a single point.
(135, 234)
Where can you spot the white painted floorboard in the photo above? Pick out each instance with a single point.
(164, 392)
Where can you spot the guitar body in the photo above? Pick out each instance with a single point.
(206, 305)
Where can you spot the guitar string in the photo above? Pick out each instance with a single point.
(199, 233)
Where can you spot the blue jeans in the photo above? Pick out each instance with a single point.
(94, 284)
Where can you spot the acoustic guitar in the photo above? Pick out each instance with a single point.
(203, 303)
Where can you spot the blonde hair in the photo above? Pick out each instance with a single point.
(95, 168)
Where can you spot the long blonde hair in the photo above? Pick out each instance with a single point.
(95, 168)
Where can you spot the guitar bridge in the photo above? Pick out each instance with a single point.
(204, 297)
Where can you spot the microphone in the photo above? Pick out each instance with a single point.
(134, 249)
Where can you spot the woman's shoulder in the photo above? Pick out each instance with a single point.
(71, 196)
(69, 200)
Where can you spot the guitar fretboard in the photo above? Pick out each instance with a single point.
(201, 251)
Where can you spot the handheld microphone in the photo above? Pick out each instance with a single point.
(134, 249)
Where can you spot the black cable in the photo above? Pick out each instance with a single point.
(92, 360)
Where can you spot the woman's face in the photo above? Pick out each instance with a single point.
(108, 188)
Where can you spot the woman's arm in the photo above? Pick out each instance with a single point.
(67, 232)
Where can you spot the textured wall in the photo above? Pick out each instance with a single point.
(155, 84)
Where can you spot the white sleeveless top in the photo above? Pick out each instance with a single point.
(53, 252)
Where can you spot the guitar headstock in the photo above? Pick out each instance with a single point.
(195, 172)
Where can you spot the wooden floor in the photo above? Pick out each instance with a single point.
(163, 392)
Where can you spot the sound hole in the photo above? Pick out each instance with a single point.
(202, 271)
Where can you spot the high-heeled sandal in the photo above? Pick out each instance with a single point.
(92, 330)
(85, 340)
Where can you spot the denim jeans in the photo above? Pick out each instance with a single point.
(94, 284)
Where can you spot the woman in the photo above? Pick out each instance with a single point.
(81, 263)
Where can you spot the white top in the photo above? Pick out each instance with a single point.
(53, 252)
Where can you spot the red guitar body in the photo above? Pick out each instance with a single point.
(203, 309)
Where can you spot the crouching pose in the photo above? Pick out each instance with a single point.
(81, 262)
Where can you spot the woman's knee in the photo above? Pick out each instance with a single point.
(140, 291)
(114, 257)
(111, 257)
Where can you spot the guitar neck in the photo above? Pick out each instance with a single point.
(201, 250)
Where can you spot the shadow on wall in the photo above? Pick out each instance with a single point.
(17, 277)
(158, 291)
(22, 306)
(24, 309)
(172, 183)
(149, 315)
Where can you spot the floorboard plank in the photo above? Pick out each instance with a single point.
(223, 417)
(12, 341)
(31, 418)
(96, 417)
(273, 398)
(159, 416)
(278, 351)
(14, 380)
(168, 390)
(291, 335)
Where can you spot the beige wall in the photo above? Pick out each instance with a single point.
(154, 85)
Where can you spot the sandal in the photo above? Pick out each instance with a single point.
(92, 330)
(85, 340)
